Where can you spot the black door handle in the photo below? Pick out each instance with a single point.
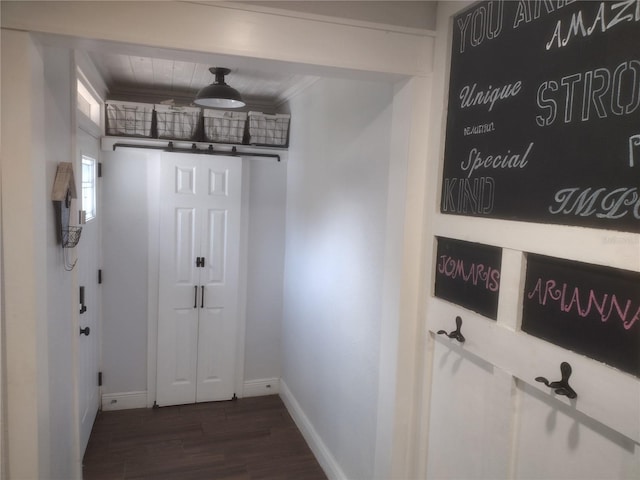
(561, 387)
(195, 296)
(202, 297)
(83, 307)
(85, 331)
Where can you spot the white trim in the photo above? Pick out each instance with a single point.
(3, 389)
(241, 329)
(246, 34)
(153, 262)
(317, 17)
(90, 75)
(260, 387)
(319, 449)
(124, 400)
(405, 97)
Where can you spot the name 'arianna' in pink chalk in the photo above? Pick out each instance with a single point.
(572, 299)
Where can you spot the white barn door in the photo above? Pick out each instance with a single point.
(198, 286)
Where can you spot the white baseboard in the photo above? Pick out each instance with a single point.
(319, 449)
(262, 386)
(124, 400)
(128, 400)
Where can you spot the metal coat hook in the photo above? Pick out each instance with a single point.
(561, 387)
(456, 334)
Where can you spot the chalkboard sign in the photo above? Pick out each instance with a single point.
(468, 274)
(543, 117)
(589, 309)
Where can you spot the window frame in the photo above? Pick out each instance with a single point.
(90, 211)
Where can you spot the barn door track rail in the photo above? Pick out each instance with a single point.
(170, 147)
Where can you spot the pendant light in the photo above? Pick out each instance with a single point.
(219, 94)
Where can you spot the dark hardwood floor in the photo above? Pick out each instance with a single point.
(246, 439)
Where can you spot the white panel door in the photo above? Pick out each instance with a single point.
(199, 262)
(178, 310)
(220, 249)
(89, 258)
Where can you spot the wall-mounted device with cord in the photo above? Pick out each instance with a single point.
(64, 190)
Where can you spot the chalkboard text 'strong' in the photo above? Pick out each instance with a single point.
(595, 93)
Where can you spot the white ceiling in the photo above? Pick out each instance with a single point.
(131, 76)
(146, 74)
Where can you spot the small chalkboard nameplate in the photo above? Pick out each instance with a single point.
(468, 274)
(589, 309)
(544, 113)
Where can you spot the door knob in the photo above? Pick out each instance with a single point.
(85, 331)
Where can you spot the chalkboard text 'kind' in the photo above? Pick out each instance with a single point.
(465, 195)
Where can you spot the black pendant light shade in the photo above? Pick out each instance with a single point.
(219, 94)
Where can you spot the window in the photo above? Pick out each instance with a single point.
(87, 101)
(89, 174)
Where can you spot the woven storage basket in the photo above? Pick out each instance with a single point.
(267, 129)
(223, 126)
(178, 123)
(129, 118)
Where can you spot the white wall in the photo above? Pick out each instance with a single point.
(129, 202)
(38, 293)
(21, 145)
(336, 224)
(125, 246)
(265, 268)
(61, 285)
